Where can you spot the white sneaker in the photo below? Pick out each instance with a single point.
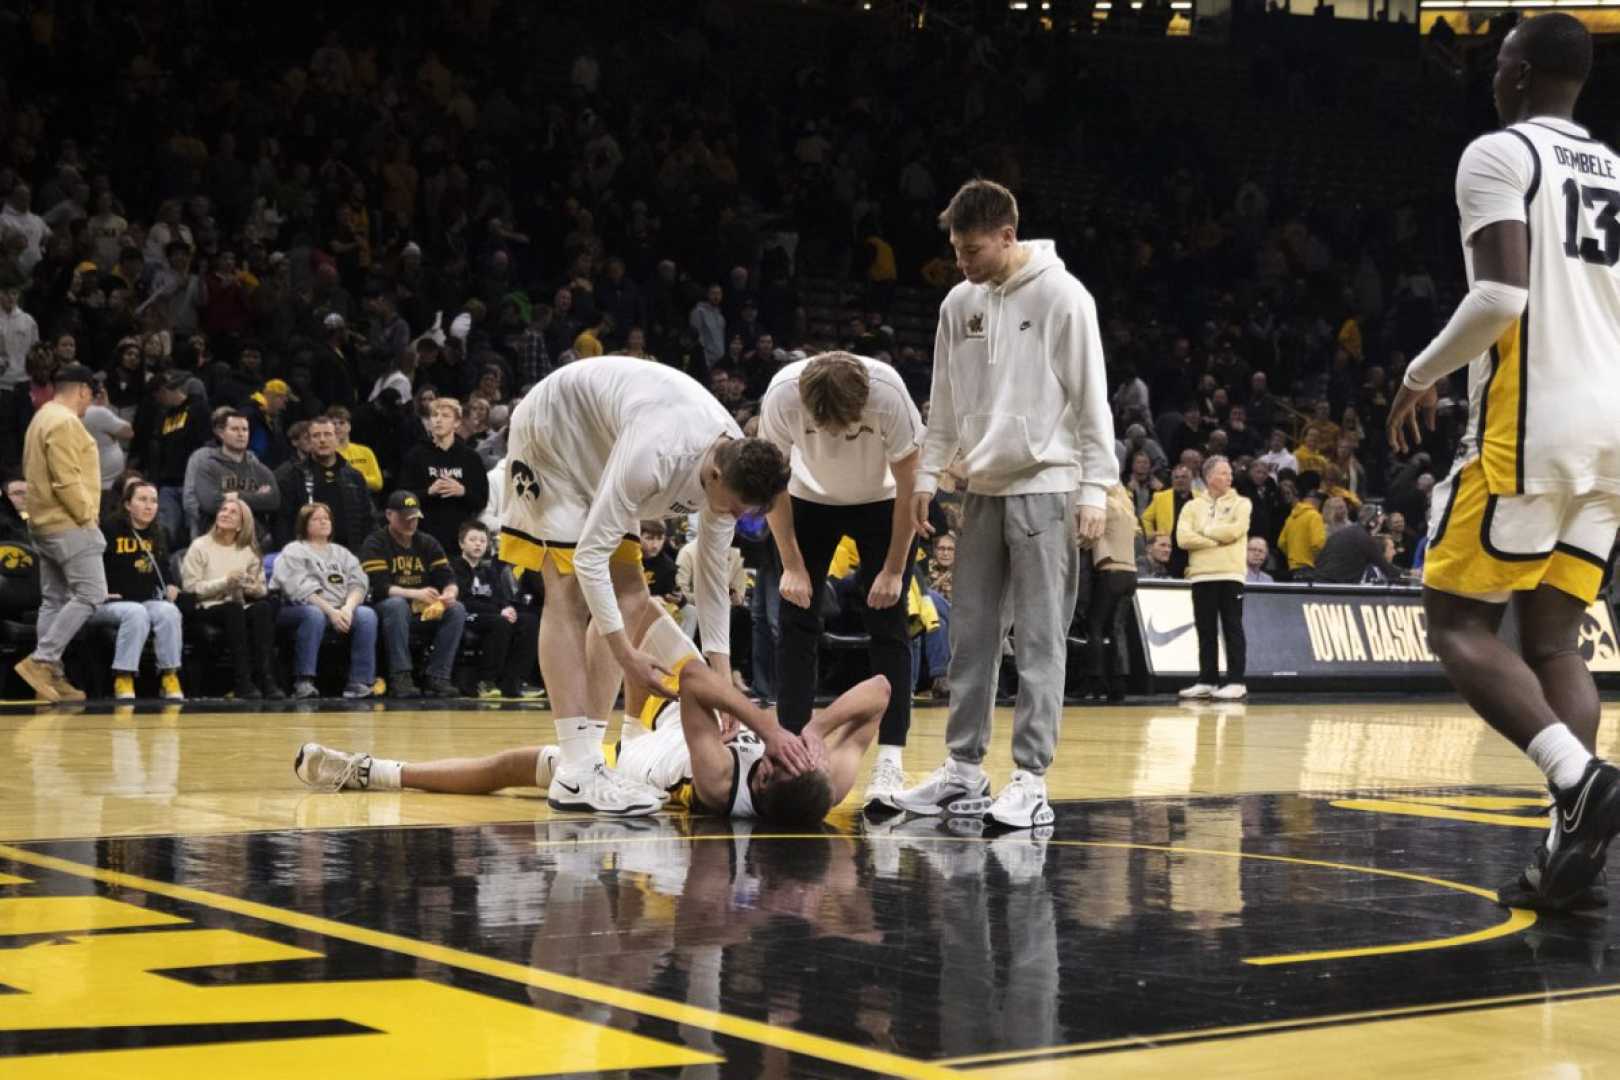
(332, 770)
(545, 766)
(1198, 690)
(600, 790)
(1235, 691)
(946, 791)
(1022, 803)
(888, 779)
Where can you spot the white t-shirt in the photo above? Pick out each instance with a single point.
(844, 469)
(1544, 402)
(102, 423)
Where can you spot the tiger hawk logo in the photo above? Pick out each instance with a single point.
(975, 324)
(1595, 642)
(15, 558)
(524, 484)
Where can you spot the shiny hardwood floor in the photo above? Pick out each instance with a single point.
(1271, 890)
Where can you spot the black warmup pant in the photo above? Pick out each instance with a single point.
(495, 636)
(1109, 590)
(1219, 602)
(250, 631)
(819, 528)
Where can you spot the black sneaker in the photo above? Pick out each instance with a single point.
(441, 688)
(400, 685)
(1525, 891)
(1586, 819)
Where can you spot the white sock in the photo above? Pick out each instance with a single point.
(890, 754)
(629, 727)
(967, 770)
(580, 739)
(385, 775)
(1559, 755)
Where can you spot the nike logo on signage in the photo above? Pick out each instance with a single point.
(572, 789)
(1158, 638)
(1572, 822)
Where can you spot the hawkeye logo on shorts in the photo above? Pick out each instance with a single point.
(524, 484)
(975, 325)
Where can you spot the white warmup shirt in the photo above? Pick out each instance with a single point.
(632, 435)
(849, 468)
(1544, 402)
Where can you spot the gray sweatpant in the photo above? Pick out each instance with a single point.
(1017, 565)
(72, 584)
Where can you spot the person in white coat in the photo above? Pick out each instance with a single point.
(1019, 391)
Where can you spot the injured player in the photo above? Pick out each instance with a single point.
(687, 742)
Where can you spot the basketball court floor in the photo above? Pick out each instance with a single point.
(1278, 890)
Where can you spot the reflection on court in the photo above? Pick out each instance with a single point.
(1233, 886)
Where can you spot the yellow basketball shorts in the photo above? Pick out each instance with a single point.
(1486, 546)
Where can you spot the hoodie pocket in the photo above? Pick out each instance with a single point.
(996, 445)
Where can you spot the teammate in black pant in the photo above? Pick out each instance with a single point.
(853, 436)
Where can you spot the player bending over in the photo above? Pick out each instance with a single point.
(758, 769)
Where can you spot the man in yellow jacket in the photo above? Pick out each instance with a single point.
(63, 470)
(1214, 531)
(1303, 534)
(1164, 510)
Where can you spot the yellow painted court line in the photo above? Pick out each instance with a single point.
(646, 1004)
(1441, 810)
(1270, 1027)
(1518, 919)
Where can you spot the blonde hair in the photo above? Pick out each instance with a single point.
(446, 403)
(834, 388)
(246, 533)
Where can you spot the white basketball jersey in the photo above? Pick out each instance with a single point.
(1544, 402)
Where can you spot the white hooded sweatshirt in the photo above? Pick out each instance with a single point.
(1019, 387)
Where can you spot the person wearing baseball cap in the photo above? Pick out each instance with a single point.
(63, 470)
(266, 411)
(412, 583)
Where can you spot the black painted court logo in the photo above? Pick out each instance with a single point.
(524, 483)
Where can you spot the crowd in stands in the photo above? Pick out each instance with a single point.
(315, 262)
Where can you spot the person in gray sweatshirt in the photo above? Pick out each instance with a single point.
(1019, 392)
(230, 468)
(323, 585)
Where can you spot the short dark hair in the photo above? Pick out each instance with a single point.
(225, 414)
(1557, 44)
(796, 802)
(755, 469)
(338, 412)
(979, 206)
(470, 526)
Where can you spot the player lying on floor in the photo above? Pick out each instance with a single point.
(755, 769)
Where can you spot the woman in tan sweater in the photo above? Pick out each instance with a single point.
(1113, 581)
(223, 571)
